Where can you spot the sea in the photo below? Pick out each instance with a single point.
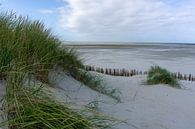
(140, 56)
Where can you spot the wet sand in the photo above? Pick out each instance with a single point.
(174, 57)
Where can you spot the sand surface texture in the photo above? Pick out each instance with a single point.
(142, 106)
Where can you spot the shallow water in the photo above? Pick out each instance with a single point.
(175, 57)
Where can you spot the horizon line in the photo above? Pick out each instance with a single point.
(122, 43)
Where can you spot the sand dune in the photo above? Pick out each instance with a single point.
(142, 106)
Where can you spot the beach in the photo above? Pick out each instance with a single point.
(45, 84)
(142, 106)
(174, 57)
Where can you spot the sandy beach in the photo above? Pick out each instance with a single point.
(174, 57)
(141, 107)
(96, 64)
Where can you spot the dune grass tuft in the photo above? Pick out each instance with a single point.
(158, 75)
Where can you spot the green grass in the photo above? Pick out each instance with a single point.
(158, 75)
(31, 107)
(95, 83)
(30, 44)
(29, 51)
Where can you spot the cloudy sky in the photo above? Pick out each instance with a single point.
(113, 20)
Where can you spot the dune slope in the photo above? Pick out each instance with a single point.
(142, 106)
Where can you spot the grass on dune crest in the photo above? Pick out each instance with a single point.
(158, 75)
(30, 44)
(28, 49)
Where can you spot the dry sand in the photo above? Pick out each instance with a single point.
(142, 106)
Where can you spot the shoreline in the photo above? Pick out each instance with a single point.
(120, 43)
(124, 46)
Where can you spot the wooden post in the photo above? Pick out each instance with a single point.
(117, 72)
(102, 70)
(131, 73)
(128, 73)
(181, 77)
(114, 72)
(134, 72)
(185, 77)
(125, 73)
(106, 72)
(175, 75)
(110, 71)
(190, 77)
(99, 69)
(178, 75)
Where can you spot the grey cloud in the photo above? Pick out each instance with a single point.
(96, 18)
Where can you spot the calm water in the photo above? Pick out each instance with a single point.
(174, 57)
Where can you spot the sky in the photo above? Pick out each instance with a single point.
(170, 21)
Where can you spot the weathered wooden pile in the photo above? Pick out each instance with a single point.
(129, 73)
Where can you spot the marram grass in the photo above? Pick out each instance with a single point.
(158, 75)
(33, 108)
(28, 49)
(30, 44)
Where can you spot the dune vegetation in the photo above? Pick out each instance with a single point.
(158, 75)
(28, 51)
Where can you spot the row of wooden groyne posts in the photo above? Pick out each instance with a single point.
(130, 73)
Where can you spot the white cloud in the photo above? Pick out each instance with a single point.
(46, 11)
(125, 19)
